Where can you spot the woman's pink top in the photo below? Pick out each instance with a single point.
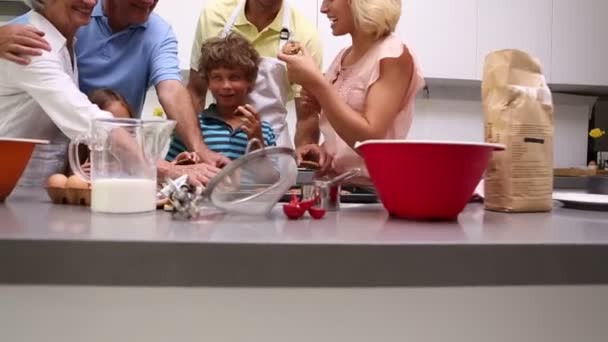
(352, 84)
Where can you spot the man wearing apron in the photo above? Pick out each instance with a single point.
(268, 25)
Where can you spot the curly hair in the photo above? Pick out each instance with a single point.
(231, 52)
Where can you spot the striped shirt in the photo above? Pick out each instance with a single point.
(220, 137)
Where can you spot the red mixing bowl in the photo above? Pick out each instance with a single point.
(14, 156)
(425, 180)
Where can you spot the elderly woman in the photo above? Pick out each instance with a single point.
(369, 89)
(41, 100)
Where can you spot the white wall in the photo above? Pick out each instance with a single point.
(183, 16)
(457, 114)
(452, 113)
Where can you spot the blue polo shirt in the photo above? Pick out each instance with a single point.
(129, 61)
(220, 137)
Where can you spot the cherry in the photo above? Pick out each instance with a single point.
(316, 212)
(293, 212)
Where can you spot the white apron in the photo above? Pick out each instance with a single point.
(271, 90)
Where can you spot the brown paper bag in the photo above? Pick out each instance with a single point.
(519, 114)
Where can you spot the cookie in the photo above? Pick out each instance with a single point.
(292, 48)
(185, 158)
(309, 164)
(185, 162)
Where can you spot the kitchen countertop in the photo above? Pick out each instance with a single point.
(43, 243)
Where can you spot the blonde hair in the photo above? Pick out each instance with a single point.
(376, 17)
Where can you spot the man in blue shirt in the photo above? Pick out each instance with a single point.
(128, 48)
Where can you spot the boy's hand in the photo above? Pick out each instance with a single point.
(213, 158)
(198, 174)
(250, 122)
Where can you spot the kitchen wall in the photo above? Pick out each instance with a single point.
(455, 113)
(451, 112)
(601, 121)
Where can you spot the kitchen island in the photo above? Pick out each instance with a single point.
(357, 275)
(361, 245)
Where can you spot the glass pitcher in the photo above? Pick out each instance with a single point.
(123, 157)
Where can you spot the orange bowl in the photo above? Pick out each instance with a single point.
(425, 180)
(14, 156)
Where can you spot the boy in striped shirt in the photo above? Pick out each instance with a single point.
(229, 67)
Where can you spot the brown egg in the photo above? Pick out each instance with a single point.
(56, 181)
(75, 182)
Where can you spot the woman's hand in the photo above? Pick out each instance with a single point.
(317, 154)
(302, 69)
(250, 122)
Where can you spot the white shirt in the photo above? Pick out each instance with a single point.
(40, 99)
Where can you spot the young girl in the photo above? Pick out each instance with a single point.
(368, 91)
(111, 101)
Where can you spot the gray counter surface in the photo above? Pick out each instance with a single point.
(42, 243)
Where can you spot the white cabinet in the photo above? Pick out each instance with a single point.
(442, 34)
(515, 24)
(580, 47)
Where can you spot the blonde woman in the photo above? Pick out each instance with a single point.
(368, 91)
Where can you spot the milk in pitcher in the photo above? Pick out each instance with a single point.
(123, 195)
